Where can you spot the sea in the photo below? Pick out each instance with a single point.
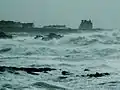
(74, 57)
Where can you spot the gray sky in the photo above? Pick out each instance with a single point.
(104, 13)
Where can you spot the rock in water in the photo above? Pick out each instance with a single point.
(25, 69)
(86, 70)
(4, 36)
(65, 73)
(51, 36)
(96, 75)
(38, 36)
(62, 77)
(5, 50)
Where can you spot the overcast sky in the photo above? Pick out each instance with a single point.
(103, 13)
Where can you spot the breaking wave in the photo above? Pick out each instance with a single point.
(84, 58)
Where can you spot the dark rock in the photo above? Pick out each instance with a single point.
(111, 82)
(86, 70)
(83, 75)
(102, 84)
(77, 75)
(2, 69)
(107, 73)
(4, 36)
(13, 72)
(28, 70)
(61, 77)
(51, 36)
(16, 73)
(7, 86)
(48, 37)
(96, 75)
(5, 50)
(32, 73)
(67, 56)
(47, 86)
(38, 36)
(1, 72)
(65, 73)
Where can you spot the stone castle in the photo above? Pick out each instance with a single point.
(86, 24)
(13, 24)
(10, 25)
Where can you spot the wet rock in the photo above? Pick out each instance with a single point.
(7, 86)
(62, 77)
(17, 73)
(28, 70)
(13, 72)
(67, 56)
(51, 36)
(2, 69)
(38, 36)
(86, 70)
(65, 73)
(38, 69)
(32, 73)
(96, 75)
(83, 75)
(5, 50)
(47, 86)
(102, 84)
(4, 35)
(48, 37)
(77, 75)
(111, 82)
(28, 53)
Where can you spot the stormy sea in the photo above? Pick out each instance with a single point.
(88, 60)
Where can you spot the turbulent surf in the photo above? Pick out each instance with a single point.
(75, 61)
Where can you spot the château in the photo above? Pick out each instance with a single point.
(86, 24)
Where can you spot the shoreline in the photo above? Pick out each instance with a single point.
(46, 30)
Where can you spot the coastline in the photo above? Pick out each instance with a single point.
(44, 30)
(41, 30)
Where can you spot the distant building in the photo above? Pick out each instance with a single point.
(9, 24)
(55, 27)
(27, 25)
(12, 24)
(86, 24)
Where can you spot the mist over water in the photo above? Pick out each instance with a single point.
(98, 51)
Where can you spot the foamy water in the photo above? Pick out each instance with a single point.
(97, 51)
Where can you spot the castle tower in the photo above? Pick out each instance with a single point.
(86, 24)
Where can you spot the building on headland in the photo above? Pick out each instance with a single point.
(86, 24)
(9, 24)
(12, 24)
(56, 27)
(27, 25)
